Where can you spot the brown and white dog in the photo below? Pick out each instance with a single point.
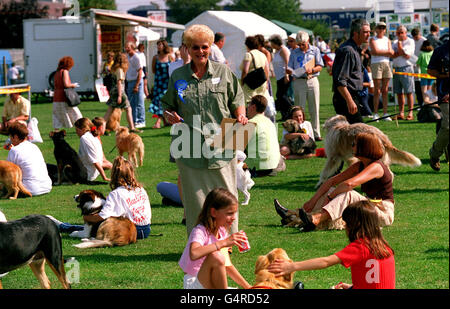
(114, 231)
(32, 240)
(267, 280)
(11, 177)
(130, 143)
(338, 146)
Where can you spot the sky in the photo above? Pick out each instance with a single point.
(125, 5)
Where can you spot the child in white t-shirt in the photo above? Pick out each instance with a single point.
(205, 260)
(90, 151)
(30, 160)
(128, 199)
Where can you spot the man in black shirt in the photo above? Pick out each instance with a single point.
(348, 72)
(439, 68)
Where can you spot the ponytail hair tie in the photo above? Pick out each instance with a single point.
(93, 129)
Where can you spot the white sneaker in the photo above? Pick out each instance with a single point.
(139, 125)
(376, 116)
(387, 118)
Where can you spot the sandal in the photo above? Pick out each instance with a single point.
(136, 131)
(308, 225)
(410, 117)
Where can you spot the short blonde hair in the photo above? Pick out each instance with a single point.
(198, 32)
(302, 37)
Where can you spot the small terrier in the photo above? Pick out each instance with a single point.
(243, 177)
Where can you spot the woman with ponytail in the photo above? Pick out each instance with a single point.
(91, 150)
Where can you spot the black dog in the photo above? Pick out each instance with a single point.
(67, 160)
(32, 240)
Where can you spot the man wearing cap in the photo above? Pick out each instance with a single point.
(16, 108)
(348, 72)
(292, 41)
(306, 85)
(403, 85)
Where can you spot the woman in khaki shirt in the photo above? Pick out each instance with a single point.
(200, 94)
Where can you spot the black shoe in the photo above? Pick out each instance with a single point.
(281, 210)
(308, 225)
(298, 285)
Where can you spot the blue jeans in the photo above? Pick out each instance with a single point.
(143, 231)
(137, 101)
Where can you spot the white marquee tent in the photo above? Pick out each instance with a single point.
(236, 26)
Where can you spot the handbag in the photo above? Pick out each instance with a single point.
(255, 78)
(72, 97)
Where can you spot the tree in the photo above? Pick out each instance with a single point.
(12, 14)
(183, 11)
(97, 4)
(287, 11)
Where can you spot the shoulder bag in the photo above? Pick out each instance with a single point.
(255, 78)
(72, 97)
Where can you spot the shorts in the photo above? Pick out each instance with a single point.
(403, 83)
(191, 283)
(426, 82)
(381, 70)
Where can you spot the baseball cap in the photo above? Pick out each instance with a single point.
(381, 24)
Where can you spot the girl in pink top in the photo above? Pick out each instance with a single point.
(370, 257)
(205, 260)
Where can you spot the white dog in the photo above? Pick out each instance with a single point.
(243, 177)
(338, 146)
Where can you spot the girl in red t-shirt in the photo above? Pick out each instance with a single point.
(370, 257)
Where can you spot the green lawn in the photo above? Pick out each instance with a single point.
(419, 235)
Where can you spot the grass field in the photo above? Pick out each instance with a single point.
(419, 234)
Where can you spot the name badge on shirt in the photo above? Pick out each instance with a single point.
(180, 86)
(215, 80)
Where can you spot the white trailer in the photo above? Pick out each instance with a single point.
(86, 38)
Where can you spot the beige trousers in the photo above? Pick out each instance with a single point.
(196, 183)
(309, 90)
(336, 207)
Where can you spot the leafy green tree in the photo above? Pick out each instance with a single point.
(12, 14)
(97, 4)
(183, 11)
(287, 11)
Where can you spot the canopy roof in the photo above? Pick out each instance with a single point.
(291, 28)
(125, 18)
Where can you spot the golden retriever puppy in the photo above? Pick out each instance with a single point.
(267, 280)
(130, 143)
(113, 123)
(11, 177)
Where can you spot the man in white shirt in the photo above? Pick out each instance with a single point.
(13, 74)
(216, 49)
(403, 85)
(135, 86)
(418, 40)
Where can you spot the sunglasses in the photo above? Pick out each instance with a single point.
(203, 47)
